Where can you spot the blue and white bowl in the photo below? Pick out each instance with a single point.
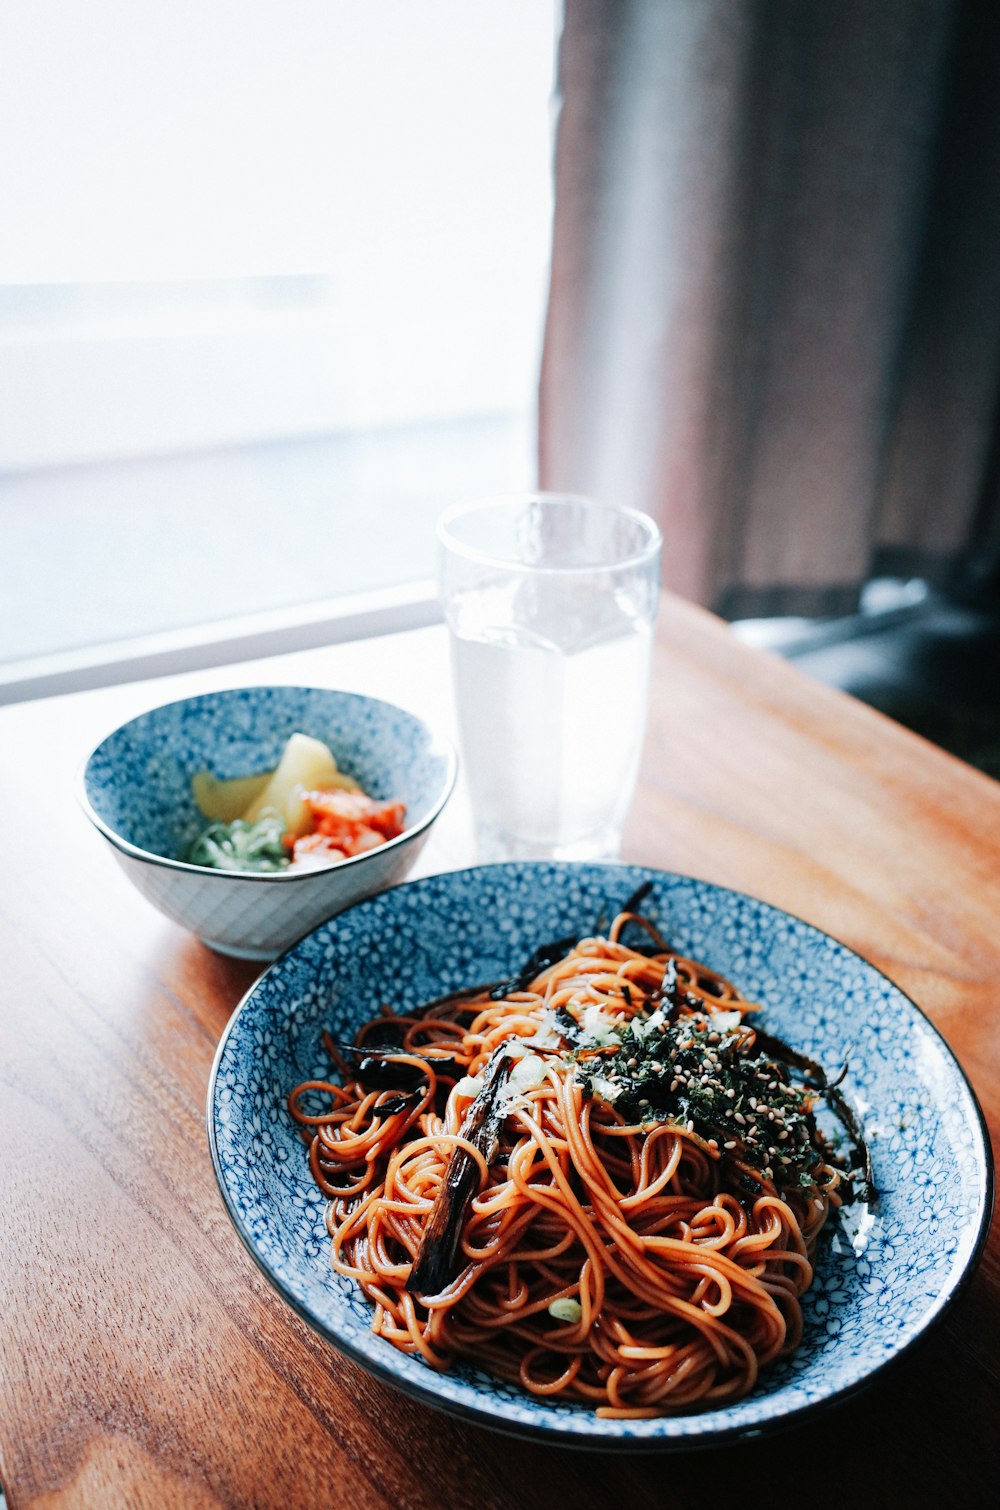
(136, 790)
(883, 1277)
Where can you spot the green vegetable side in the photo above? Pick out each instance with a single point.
(304, 814)
(242, 846)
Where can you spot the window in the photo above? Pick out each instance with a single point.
(272, 278)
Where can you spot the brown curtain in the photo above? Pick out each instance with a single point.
(774, 316)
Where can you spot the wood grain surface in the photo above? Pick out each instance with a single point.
(143, 1359)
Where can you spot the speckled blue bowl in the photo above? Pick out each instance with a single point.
(879, 1284)
(136, 790)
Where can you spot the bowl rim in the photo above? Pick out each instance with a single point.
(582, 1439)
(436, 742)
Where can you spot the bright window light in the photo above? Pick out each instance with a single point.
(272, 281)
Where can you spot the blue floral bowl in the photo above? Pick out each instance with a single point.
(883, 1276)
(136, 790)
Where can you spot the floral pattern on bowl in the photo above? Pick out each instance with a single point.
(882, 1277)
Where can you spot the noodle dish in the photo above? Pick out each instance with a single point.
(598, 1152)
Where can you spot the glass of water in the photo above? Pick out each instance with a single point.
(551, 601)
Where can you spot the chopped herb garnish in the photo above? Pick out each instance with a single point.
(701, 1072)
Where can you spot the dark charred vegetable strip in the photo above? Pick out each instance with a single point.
(381, 1070)
(570, 1029)
(466, 993)
(783, 1051)
(435, 1265)
(671, 992)
(834, 1098)
(847, 1117)
(639, 895)
(550, 954)
(544, 956)
(394, 1104)
(654, 942)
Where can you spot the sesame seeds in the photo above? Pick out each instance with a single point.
(697, 1075)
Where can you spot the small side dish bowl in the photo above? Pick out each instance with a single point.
(136, 790)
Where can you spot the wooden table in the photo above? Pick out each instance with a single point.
(143, 1359)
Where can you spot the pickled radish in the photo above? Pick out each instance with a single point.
(306, 765)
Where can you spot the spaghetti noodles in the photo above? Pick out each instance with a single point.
(601, 1182)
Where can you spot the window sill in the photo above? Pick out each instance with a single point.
(308, 626)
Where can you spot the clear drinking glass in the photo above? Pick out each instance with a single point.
(551, 602)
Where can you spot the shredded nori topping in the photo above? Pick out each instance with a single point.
(716, 1084)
